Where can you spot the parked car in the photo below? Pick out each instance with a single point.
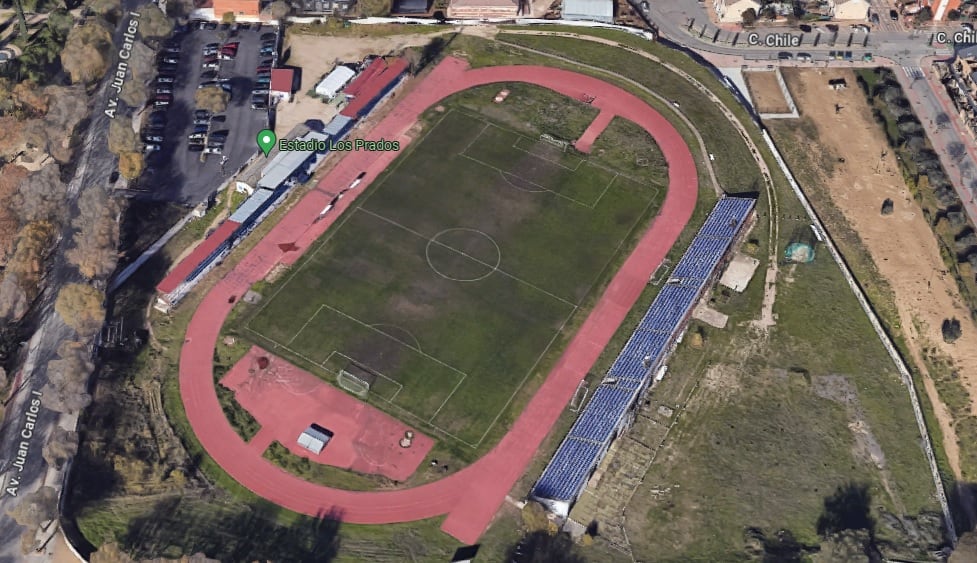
(805, 57)
(226, 87)
(244, 26)
(200, 128)
(157, 118)
(268, 45)
(893, 15)
(215, 65)
(259, 104)
(267, 36)
(160, 102)
(227, 56)
(195, 147)
(153, 139)
(260, 69)
(263, 80)
(266, 51)
(169, 60)
(166, 70)
(210, 26)
(219, 135)
(151, 147)
(206, 84)
(209, 58)
(165, 79)
(171, 49)
(266, 62)
(832, 27)
(213, 150)
(201, 114)
(784, 56)
(210, 52)
(201, 122)
(967, 26)
(164, 90)
(232, 45)
(219, 118)
(209, 75)
(806, 28)
(197, 136)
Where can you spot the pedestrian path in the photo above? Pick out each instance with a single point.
(913, 72)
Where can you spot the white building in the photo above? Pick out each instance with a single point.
(334, 82)
(314, 438)
(589, 10)
(731, 11)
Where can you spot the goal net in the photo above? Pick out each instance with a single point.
(559, 143)
(356, 379)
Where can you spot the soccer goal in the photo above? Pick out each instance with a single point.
(356, 379)
(561, 144)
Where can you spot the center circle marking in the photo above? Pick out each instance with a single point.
(486, 264)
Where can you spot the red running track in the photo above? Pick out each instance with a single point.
(473, 495)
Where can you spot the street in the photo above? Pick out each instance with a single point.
(23, 468)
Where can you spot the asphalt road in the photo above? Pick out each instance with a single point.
(175, 174)
(95, 164)
(685, 22)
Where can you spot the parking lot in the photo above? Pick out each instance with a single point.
(175, 172)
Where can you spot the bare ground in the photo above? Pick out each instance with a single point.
(902, 244)
(316, 55)
(765, 92)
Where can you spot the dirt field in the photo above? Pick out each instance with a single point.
(317, 54)
(901, 244)
(765, 92)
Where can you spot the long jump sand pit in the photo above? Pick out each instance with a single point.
(765, 91)
(286, 399)
(901, 245)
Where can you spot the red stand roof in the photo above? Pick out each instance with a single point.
(368, 73)
(374, 87)
(179, 274)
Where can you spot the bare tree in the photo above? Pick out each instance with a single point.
(87, 52)
(97, 236)
(212, 99)
(277, 10)
(13, 298)
(36, 508)
(942, 120)
(27, 264)
(11, 176)
(61, 446)
(956, 150)
(122, 138)
(41, 196)
(80, 306)
(153, 23)
(68, 379)
(141, 67)
(131, 164)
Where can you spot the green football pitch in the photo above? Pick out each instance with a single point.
(453, 278)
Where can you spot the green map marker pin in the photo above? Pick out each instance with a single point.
(266, 140)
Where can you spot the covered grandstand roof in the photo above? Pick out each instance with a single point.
(287, 163)
(374, 68)
(645, 352)
(336, 126)
(374, 87)
(251, 205)
(410, 6)
(179, 274)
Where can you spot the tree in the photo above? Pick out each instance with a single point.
(228, 17)
(87, 53)
(153, 23)
(131, 165)
(21, 19)
(953, 15)
(11, 176)
(951, 330)
(122, 138)
(106, 7)
(68, 375)
(212, 99)
(13, 298)
(27, 262)
(966, 549)
(942, 120)
(956, 150)
(80, 306)
(277, 10)
(54, 133)
(749, 16)
(887, 207)
(41, 196)
(36, 508)
(61, 446)
(543, 547)
(141, 71)
(97, 234)
(924, 15)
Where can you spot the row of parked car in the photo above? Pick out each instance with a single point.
(202, 138)
(262, 81)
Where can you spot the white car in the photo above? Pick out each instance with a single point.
(151, 147)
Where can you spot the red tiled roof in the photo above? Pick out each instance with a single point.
(237, 7)
(179, 274)
(281, 80)
(374, 87)
(357, 84)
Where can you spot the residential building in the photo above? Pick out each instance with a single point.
(731, 11)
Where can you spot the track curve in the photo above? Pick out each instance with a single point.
(471, 496)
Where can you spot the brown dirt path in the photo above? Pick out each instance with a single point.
(902, 245)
